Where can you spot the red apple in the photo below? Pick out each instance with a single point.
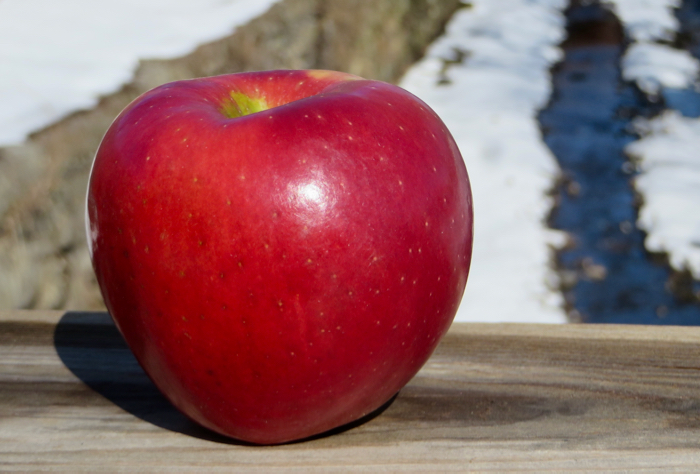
(281, 250)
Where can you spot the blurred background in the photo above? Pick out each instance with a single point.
(578, 123)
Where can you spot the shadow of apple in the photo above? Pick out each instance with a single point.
(91, 347)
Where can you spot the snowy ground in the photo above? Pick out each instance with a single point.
(490, 103)
(58, 57)
(670, 182)
(668, 152)
(487, 77)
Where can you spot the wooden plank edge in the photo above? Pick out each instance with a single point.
(680, 334)
(580, 331)
(54, 316)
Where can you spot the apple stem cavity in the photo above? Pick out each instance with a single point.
(240, 105)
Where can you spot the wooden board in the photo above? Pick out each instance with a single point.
(493, 397)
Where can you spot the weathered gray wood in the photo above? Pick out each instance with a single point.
(493, 397)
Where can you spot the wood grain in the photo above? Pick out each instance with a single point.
(493, 397)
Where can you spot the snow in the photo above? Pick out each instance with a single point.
(647, 20)
(668, 151)
(670, 183)
(78, 50)
(653, 65)
(490, 104)
(58, 57)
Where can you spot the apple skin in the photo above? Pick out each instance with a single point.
(285, 272)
